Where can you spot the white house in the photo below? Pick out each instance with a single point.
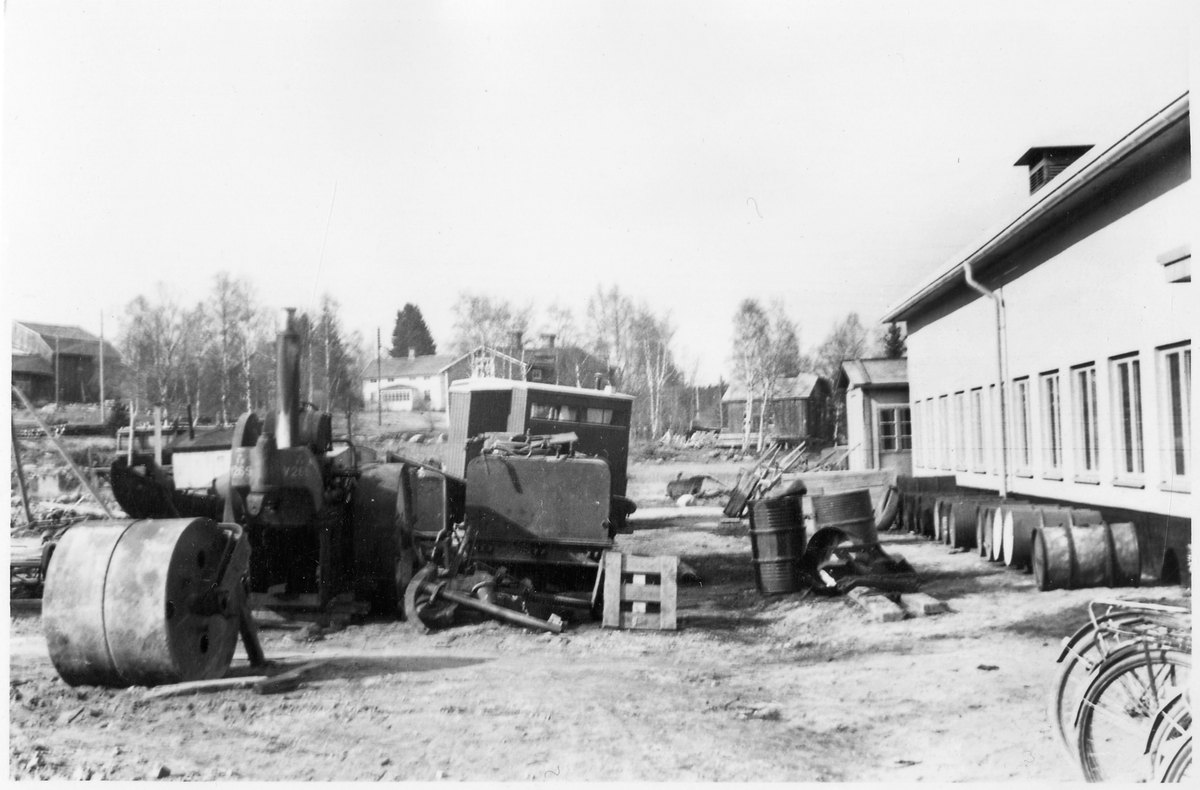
(412, 383)
(1052, 359)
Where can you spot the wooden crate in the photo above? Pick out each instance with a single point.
(639, 592)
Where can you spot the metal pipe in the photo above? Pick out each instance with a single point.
(499, 612)
(16, 446)
(287, 420)
(969, 274)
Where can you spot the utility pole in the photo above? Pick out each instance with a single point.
(379, 374)
(102, 419)
(56, 366)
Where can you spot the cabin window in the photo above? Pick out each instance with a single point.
(1021, 408)
(960, 430)
(600, 416)
(895, 429)
(1175, 384)
(535, 374)
(1125, 375)
(1052, 437)
(1087, 447)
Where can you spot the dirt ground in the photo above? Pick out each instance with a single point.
(749, 688)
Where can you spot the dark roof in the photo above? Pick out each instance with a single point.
(403, 367)
(1037, 153)
(31, 364)
(71, 339)
(801, 386)
(874, 372)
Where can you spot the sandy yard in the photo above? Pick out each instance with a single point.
(793, 688)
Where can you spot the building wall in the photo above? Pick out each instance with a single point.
(1100, 293)
(857, 435)
(862, 428)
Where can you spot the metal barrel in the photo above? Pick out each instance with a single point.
(1017, 529)
(1068, 557)
(849, 511)
(776, 544)
(962, 521)
(122, 604)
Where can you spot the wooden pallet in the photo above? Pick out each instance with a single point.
(639, 592)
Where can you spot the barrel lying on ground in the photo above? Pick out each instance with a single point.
(1094, 555)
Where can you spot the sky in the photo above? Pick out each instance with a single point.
(826, 155)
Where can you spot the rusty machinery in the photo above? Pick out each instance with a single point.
(276, 514)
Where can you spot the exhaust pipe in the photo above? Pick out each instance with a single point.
(287, 420)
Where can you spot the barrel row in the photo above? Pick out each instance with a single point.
(1066, 548)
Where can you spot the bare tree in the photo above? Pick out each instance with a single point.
(847, 340)
(485, 321)
(610, 320)
(751, 344)
(654, 336)
(151, 341)
(234, 318)
(780, 359)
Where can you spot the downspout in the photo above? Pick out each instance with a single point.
(969, 273)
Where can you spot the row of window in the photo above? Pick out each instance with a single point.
(563, 412)
(961, 430)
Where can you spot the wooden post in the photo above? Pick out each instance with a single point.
(379, 374)
(132, 415)
(102, 416)
(16, 444)
(57, 363)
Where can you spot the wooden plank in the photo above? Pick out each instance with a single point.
(644, 593)
(640, 621)
(200, 686)
(286, 681)
(636, 564)
(921, 604)
(877, 607)
(670, 582)
(612, 561)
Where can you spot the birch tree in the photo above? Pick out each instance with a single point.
(751, 343)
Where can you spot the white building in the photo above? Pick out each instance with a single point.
(878, 416)
(412, 383)
(1072, 384)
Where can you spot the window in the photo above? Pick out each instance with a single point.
(943, 432)
(1052, 440)
(895, 429)
(600, 416)
(1126, 377)
(1021, 452)
(535, 374)
(994, 428)
(960, 433)
(918, 415)
(1087, 447)
(1175, 376)
(397, 396)
(977, 445)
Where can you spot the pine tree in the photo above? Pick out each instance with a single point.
(411, 332)
(892, 342)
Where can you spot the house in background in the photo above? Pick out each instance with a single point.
(422, 383)
(878, 417)
(59, 363)
(1089, 402)
(798, 411)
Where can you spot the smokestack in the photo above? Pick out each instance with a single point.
(287, 419)
(412, 353)
(548, 340)
(515, 338)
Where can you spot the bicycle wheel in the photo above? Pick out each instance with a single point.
(1172, 721)
(1177, 766)
(1080, 654)
(1118, 709)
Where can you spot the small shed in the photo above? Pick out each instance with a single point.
(878, 416)
(798, 411)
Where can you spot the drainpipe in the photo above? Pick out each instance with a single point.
(969, 273)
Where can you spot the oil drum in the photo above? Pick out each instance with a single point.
(127, 603)
(776, 544)
(852, 512)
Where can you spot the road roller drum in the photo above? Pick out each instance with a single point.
(145, 602)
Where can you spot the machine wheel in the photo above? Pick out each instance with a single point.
(414, 596)
(1178, 764)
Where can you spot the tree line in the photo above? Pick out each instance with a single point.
(218, 355)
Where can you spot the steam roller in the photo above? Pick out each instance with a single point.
(148, 602)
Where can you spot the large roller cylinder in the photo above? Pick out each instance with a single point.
(125, 603)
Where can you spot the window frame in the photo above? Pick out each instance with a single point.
(1084, 397)
(1128, 420)
(1050, 390)
(1022, 435)
(978, 439)
(1170, 479)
